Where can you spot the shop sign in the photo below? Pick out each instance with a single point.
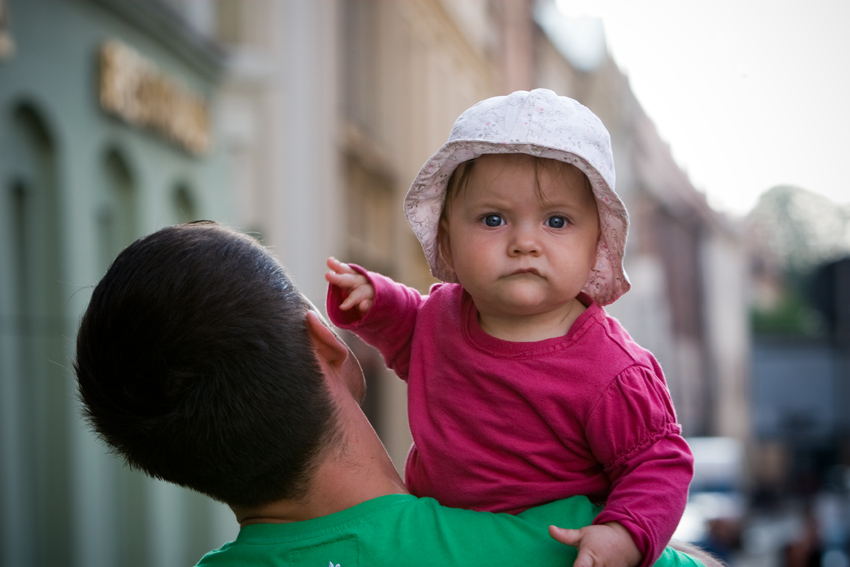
(137, 91)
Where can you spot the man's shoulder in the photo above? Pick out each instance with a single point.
(404, 530)
(335, 537)
(573, 513)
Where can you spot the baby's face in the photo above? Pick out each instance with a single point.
(521, 236)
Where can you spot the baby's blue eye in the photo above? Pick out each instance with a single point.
(493, 220)
(556, 222)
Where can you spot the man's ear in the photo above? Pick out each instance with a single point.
(339, 365)
(329, 347)
(444, 248)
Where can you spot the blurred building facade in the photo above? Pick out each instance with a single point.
(322, 112)
(406, 70)
(106, 133)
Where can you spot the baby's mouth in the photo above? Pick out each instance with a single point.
(523, 271)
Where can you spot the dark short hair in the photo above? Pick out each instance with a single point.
(194, 364)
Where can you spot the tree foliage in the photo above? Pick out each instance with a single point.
(802, 229)
(795, 231)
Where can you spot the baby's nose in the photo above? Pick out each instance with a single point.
(524, 241)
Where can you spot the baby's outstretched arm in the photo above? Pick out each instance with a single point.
(602, 545)
(358, 291)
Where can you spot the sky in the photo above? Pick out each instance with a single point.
(749, 94)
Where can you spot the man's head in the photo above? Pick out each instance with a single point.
(194, 363)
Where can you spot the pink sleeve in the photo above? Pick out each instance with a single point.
(388, 325)
(633, 433)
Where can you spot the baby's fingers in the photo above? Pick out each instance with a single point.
(357, 291)
(585, 558)
(344, 276)
(348, 282)
(565, 536)
(360, 296)
(345, 281)
(340, 267)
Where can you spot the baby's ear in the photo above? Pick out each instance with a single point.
(444, 248)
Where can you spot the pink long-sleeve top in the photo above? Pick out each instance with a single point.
(503, 426)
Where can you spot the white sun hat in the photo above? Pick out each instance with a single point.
(542, 124)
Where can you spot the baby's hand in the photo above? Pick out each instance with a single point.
(357, 289)
(608, 545)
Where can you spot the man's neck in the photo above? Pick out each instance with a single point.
(357, 470)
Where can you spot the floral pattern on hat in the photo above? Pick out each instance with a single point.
(542, 124)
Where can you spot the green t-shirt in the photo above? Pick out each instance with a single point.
(402, 530)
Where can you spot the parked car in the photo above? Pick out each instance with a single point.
(716, 502)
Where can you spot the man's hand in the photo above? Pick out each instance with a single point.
(603, 545)
(357, 290)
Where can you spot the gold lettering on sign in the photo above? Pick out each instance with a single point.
(134, 89)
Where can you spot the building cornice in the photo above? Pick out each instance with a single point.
(163, 24)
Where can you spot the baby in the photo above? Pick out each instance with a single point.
(521, 389)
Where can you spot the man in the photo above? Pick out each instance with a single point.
(201, 364)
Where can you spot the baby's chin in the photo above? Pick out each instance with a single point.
(529, 294)
(530, 307)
